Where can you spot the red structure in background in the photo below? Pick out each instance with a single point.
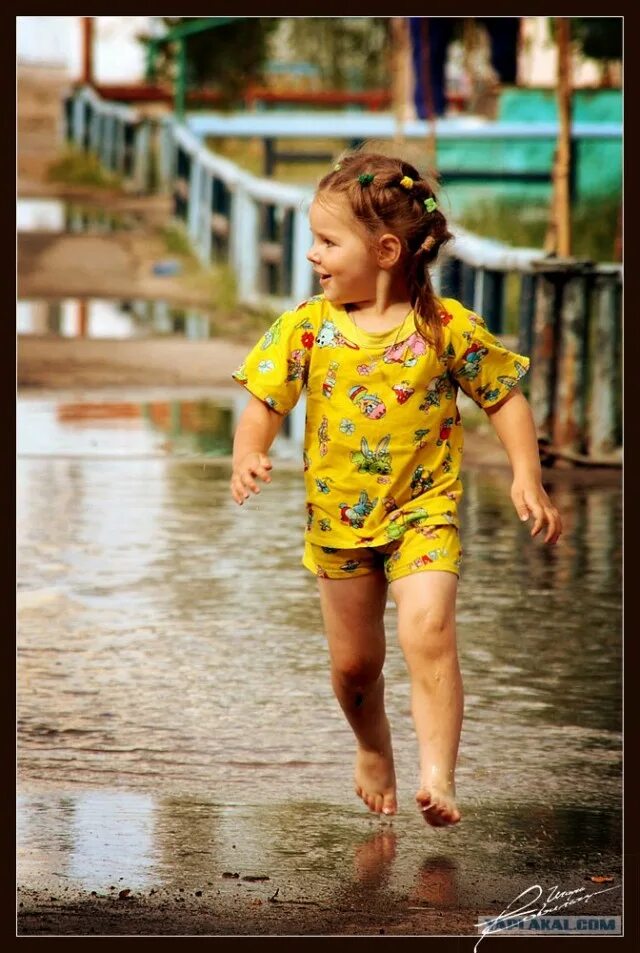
(87, 50)
(374, 100)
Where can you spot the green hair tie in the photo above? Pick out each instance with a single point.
(430, 204)
(366, 178)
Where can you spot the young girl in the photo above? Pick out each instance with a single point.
(382, 359)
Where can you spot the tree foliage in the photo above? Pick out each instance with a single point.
(227, 58)
(349, 52)
(599, 38)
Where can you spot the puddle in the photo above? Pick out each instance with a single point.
(109, 840)
(160, 426)
(175, 715)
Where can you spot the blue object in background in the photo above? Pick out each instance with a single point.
(167, 268)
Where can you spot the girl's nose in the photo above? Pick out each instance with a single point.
(312, 255)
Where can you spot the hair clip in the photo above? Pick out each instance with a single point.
(366, 178)
(429, 241)
(430, 204)
(337, 167)
(406, 182)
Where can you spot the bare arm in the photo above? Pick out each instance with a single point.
(513, 421)
(256, 431)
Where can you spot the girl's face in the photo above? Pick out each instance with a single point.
(340, 254)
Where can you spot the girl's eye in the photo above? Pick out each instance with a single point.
(328, 242)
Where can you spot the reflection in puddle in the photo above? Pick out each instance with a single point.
(53, 215)
(106, 839)
(101, 318)
(157, 427)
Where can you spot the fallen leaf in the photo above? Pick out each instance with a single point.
(602, 879)
(124, 893)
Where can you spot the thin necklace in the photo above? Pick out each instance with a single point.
(398, 330)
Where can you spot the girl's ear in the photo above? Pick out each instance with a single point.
(389, 250)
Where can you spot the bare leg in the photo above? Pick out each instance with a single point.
(427, 635)
(353, 611)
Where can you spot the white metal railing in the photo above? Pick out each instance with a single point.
(259, 227)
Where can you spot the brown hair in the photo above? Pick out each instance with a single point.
(371, 184)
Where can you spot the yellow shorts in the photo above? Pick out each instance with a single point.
(420, 549)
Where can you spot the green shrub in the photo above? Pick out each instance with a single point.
(82, 168)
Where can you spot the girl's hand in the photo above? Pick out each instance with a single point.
(242, 479)
(530, 499)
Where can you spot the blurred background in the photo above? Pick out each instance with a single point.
(165, 167)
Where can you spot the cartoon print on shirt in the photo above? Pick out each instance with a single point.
(419, 437)
(445, 431)
(303, 304)
(510, 382)
(402, 520)
(296, 366)
(347, 426)
(324, 525)
(370, 404)
(330, 380)
(389, 504)
(330, 336)
(488, 393)
(403, 391)
(420, 482)
(309, 515)
(437, 386)
(406, 352)
(365, 369)
(306, 463)
(323, 436)
(447, 463)
(355, 515)
(472, 358)
(323, 485)
(373, 461)
(272, 336)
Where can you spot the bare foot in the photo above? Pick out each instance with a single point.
(438, 806)
(375, 779)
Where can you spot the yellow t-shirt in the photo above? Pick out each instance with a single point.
(383, 436)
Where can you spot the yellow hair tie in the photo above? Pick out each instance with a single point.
(406, 182)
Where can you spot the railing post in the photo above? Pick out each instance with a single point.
(244, 252)
(450, 277)
(122, 146)
(526, 312)
(141, 151)
(605, 411)
(491, 306)
(193, 211)
(544, 357)
(207, 209)
(166, 161)
(467, 285)
(569, 432)
(94, 133)
(78, 114)
(301, 271)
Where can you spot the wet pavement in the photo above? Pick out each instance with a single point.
(178, 738)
